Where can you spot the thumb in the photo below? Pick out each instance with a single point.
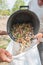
(5, 58)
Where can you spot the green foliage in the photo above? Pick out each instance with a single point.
(4, 8)
(17, 5)
(3, 4)
(0, 1)
(4, 12)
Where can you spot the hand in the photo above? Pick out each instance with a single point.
(39, 36)
(5, 56)
(40, 2)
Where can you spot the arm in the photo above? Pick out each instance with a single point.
(3, 32)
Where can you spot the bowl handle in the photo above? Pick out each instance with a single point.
(24, 7)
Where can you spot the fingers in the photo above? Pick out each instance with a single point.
(4, 58)
(38, 36)
(8, 54)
